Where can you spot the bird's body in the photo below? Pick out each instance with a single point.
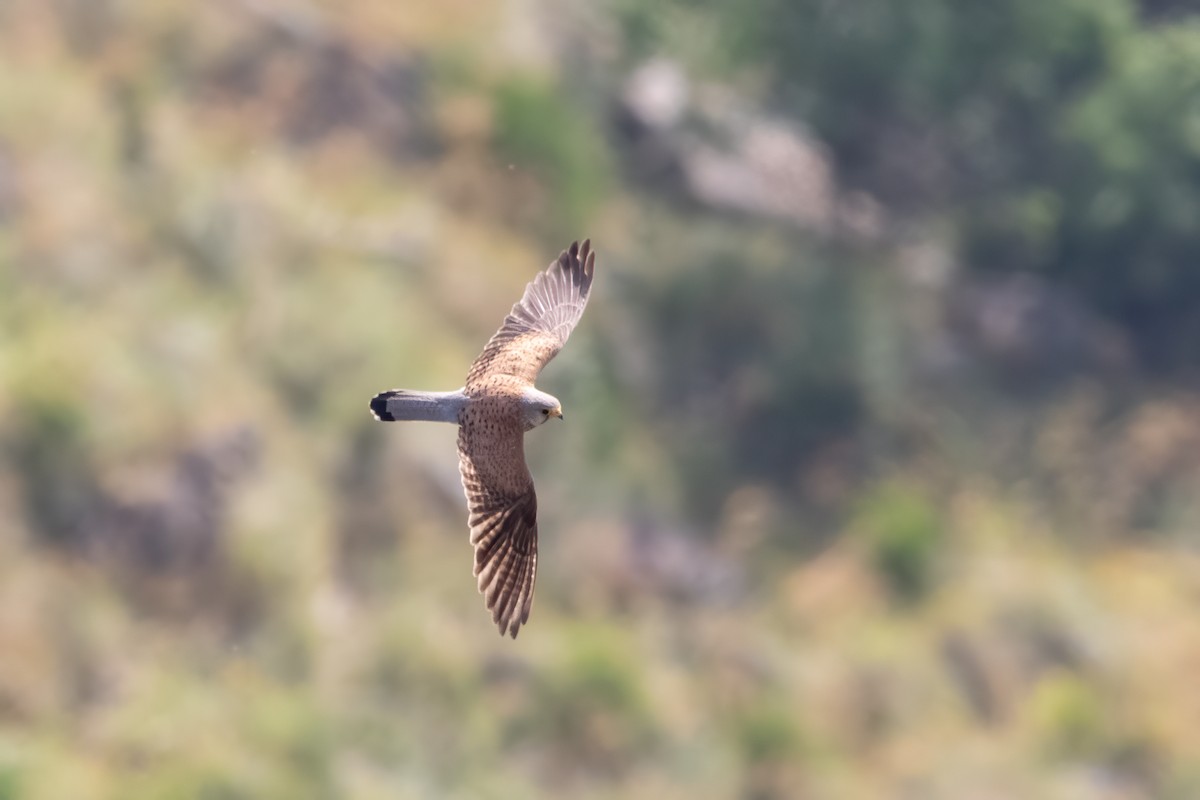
(493, 411)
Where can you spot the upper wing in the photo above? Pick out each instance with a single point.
(538, 326)
(503, 516)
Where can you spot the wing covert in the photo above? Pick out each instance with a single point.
(540, 323)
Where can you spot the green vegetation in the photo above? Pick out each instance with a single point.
(881, 468)
(902, 533)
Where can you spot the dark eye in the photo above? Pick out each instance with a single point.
(546, 411)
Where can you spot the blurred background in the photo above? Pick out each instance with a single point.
(881, 474)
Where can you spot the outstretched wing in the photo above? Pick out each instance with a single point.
(538, 326)
(503, 512)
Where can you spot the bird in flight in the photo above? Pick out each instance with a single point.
(493, 411)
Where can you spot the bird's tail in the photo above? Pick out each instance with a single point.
(408, 404)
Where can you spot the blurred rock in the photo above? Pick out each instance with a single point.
(701, 142)
(1040, 644)
(1162, 11)
(10, 192)
(657, 94)
(317, 83)
(1030, 328)
(968, 668)
(770, 170)
(677, 565)
(624, 566)
(87, 25)
(344, 90)
(179, 526)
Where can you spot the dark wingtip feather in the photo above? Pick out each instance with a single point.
(587, 258)
(379, 407)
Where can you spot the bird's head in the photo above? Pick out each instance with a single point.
(537, 407)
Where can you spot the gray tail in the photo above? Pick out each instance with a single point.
(395, 405)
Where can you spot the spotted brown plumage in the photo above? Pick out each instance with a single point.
(494, 410)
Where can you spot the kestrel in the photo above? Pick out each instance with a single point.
(493, 411)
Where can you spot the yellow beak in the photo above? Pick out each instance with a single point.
(557, 412)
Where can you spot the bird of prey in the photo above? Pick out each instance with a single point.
(493, 411)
